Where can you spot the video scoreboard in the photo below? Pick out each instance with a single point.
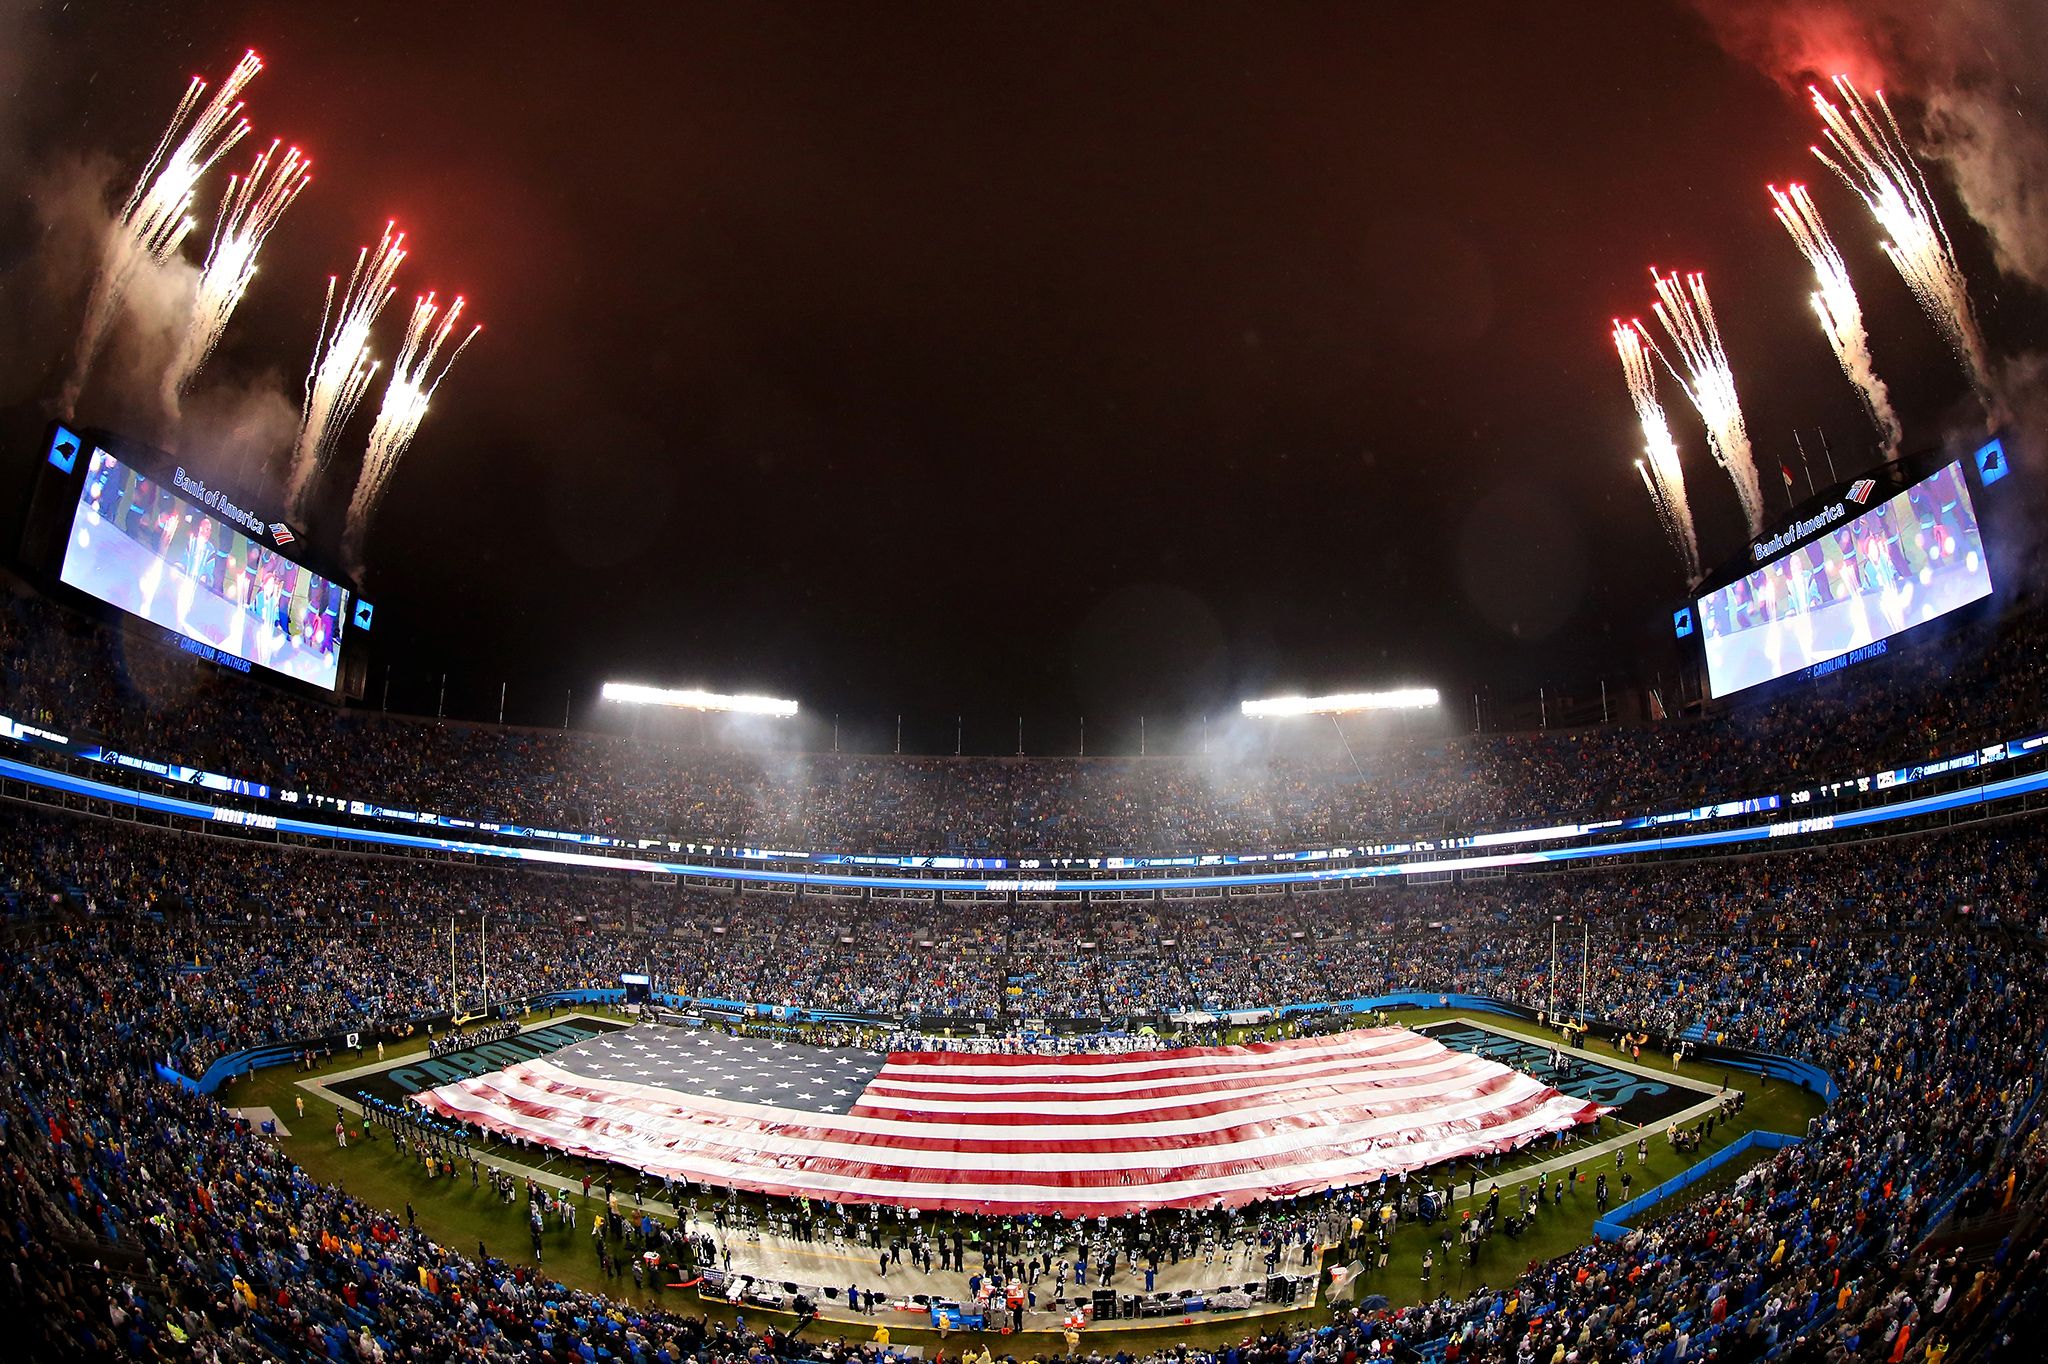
(1854, 568)
(132, 535)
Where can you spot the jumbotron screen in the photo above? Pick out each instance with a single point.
(137, 545)
(1917, 556)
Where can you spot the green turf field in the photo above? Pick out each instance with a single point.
(459, 1216)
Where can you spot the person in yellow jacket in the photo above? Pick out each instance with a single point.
(882, 1336)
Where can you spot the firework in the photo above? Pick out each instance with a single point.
(1660, 471)
(249, 208)
(155, 221)
(1834, 302)
(1688, 318)
(341, 361)
(415, 374)
(1866, 149)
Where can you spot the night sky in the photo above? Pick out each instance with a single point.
(1009, 359)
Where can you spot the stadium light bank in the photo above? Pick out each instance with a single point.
(1408, 698)
(632, 693)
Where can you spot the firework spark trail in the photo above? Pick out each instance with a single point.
(154, 222)
(341, 361)
(1834, 302)
(249, 208)
(1666, 518)
(415, 374)
(1661, 472)
(1688, 318)
(1871, 156)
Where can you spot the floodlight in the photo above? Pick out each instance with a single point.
(632, 693)
(1407, 698)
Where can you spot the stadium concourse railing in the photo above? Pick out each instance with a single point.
(703, 1011)
(2008, 774)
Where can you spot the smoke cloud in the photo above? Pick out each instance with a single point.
(240, 427)
(24, 23)
(1975, 66)
(1978, 69)
(155, 308)
(64, 222)
(235, 427)
(2000, 162)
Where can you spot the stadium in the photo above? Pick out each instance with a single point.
(610, 839)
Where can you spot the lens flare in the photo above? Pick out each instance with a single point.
(1835, 304)
(415, 374)
(250, 207)
(1688, 318)
(156, 219)
(1867, 150)
(1660, 471)
(342, 367)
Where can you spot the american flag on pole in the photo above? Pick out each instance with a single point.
(1082, 1134)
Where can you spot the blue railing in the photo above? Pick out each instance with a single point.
(1614, 1226)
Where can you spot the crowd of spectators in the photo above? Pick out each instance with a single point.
(143, 1222)
(274, 944)
(1977, 683)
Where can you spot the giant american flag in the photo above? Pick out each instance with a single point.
(1083, 1134)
